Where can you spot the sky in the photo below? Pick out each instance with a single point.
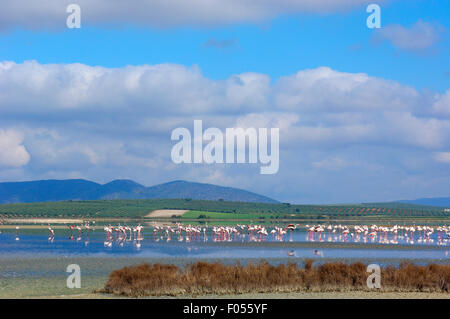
(363, 114)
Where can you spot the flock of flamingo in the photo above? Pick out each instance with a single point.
(258, 233)
(381, 234)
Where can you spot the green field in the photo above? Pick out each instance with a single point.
(221, 209)
(197, 214)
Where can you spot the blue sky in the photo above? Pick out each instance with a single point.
(398, 116)
(275, 47)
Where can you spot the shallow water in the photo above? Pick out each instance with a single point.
(37, 243)
(34, 264)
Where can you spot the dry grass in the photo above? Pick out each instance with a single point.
(203, 278)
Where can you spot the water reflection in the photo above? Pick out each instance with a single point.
(197, 241)
(420, 235)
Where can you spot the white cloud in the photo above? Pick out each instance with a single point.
(12, 152)
(442, 157)
(318, 106)
(418, 37)
(324, 89)
(283, 121)
(248, 89)
(76, 86)
(103, 123)
(160, 13)
(330, 163)
(442, 104)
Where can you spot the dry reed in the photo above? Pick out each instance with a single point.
(216, 278)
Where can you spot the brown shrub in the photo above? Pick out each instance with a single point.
(218, 278)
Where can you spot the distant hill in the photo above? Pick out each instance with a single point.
(183, 189)
(79, 189)
(434, 201)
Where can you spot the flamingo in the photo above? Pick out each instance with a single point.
(17, 233)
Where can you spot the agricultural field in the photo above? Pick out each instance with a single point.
(218, 210)
(197, 214)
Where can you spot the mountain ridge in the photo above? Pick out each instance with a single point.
(429, 201)
(81, 189)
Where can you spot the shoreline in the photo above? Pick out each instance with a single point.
(294, 295)
(383, 221)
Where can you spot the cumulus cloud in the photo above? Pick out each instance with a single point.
(324, 89)
(317, 106)
(283, 121)
(78, 86)
(12, 152)
(51, 14)
(442, 104)
(103, 123)
(418, 37)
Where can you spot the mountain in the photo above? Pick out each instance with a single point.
(79, 189)
(48, 190)
(123, 189)
(433, 201)
(183, 189)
